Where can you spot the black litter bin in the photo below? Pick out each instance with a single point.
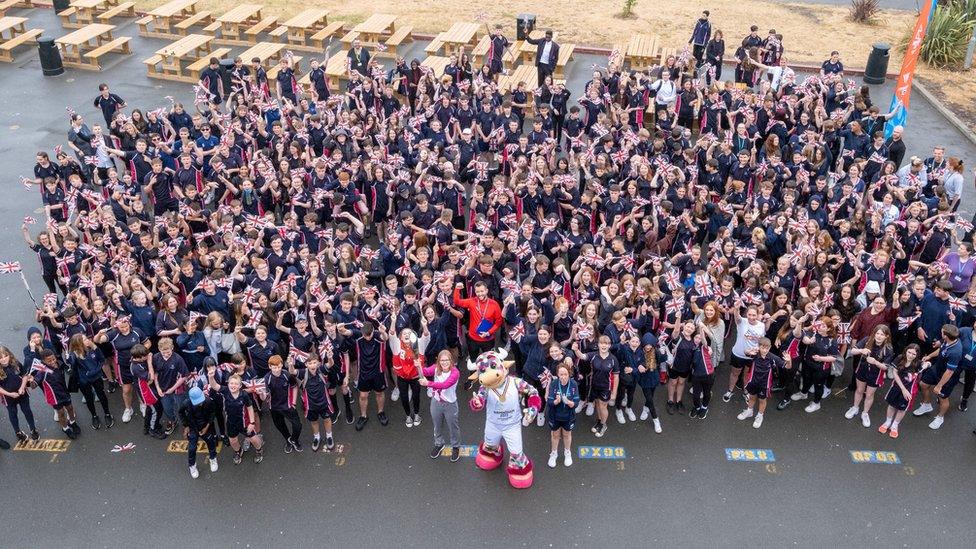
(877, 67)
(226, 66)
(51, 64)
(61, 5)
(524, 24)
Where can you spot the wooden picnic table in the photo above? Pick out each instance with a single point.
(641, 50)
(269, 53)
(436, 63)
(236, 21)
(193, 46)
(522, 73)
(15, 25)
(170, 13)
(371, 30)
(86, 10)
(189, 50)
(459, 36)
(75, 44)
(302, 26)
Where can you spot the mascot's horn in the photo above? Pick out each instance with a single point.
(499, 353)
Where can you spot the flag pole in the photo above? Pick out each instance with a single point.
(29, 293)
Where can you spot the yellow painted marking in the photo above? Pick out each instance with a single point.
(180, 446)
(44, 445)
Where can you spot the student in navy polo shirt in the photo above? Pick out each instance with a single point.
(941, 374)
(170, 372)
(935, 314)
(50, 376)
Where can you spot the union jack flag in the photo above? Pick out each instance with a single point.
(905, 321)
(8, 267)
(518, 332)
(844, 333)
(957, 303)
(674, 306)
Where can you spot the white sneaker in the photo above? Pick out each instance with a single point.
(812, 407)
(745, 414)
(923, 409)
(630, 414)
(851, 412)
(142, 409)
(645, 413)
(827, 392)
(657, 425)
(540, 420)
(798, 396)
(213, 465)
(416, 420)
(567, 458)
(194, 472)
(552, 459)
(589, 408)
(127, 415)
(757, 423)
(409, 422)
(937, 422)
(620, 416)
(865, 419)
(395, 394)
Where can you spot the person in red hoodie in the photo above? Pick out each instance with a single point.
(408, 358)
(484, 319)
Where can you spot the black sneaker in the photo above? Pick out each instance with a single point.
(297, 445)
(288, 447)
(670, 408)
(703, 413)
(361, 422)
(69, 432)
(111, 386)
(4, 445)
(35, 436)
(259, 455)
(601, 430)
(455, 454)
(436, 451)
(384, 420)
(334, 417)
(596, 427)
(963, 405)
(784, 404)
(316, 441)
(680, 407)
(238, 457)
(169, 429)
(21, 436)
(693, 413)
(96, 423)
(727, 396)
(349, 416)
(75, 427)
(226, 440)
(158, 434)
(329, 442)
(109, 421)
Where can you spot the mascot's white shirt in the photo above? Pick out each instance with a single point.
(504, 413)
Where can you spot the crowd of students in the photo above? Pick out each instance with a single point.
(651, 228)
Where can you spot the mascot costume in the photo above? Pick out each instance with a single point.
(500, 396)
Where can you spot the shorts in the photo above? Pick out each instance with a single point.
(895, 399)
(675, 374)
(123, 375)
(373, 383)
(871, 375)
(316, 413)
(949, 385)
(61, 405)
(566, 424)
(236, 429)
(600, 394)
(758, 388)
(738, 362)
(334, 377)
(930, 376)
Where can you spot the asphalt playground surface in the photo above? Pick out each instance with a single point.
(380, 488)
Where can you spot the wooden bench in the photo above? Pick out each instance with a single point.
(336, 69)
(119, 45)
(6, 5)
(278, 32)
(319, 39)
(144, 23)
(259, 27)
(273, 71)
(126, 8)
(199, 18)
(202, 63)
(151, 65)
(212, 27)
(350, 37)
(402, 34)
(6, 48)
(66, 17)
(511, 56)
(565, 54)
(435, 45)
